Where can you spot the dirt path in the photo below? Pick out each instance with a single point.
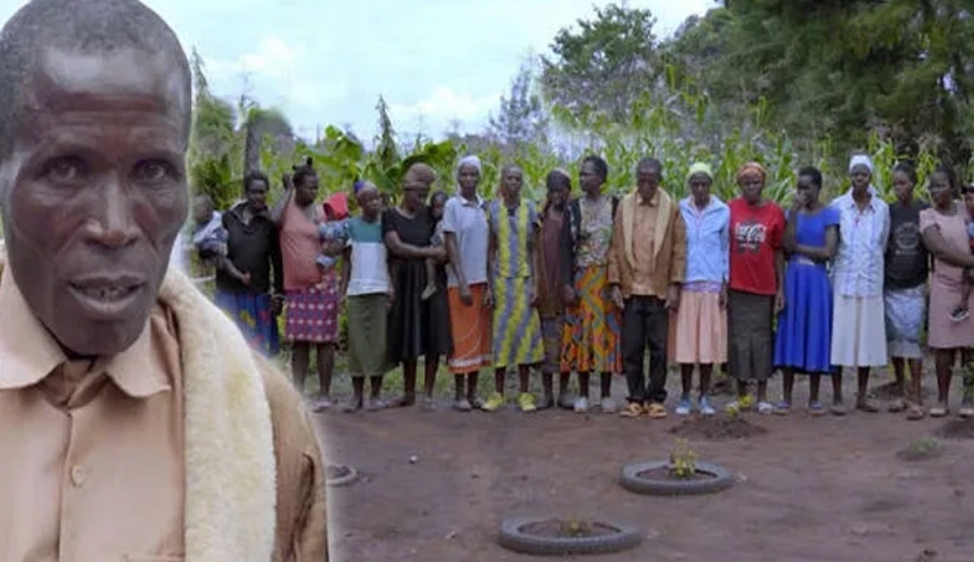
(810, 489)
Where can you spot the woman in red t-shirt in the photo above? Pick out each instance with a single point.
(755, 287)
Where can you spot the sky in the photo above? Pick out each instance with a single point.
(439, 64)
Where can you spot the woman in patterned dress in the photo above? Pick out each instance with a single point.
(590, 340)
(511, 258)
(312, 293)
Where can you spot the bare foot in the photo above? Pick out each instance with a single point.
(404, 402)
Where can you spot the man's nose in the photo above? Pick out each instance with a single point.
(112, 223)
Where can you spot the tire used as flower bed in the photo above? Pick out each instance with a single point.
(558, 537)
(340, 475)
(656, 479)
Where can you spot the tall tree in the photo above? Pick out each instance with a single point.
(521, 118)
(843, 68)
(606, 65)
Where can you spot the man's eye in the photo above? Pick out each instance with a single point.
(64, 170)
(151, 171)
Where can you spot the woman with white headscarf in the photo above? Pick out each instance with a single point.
(858, 319)
(698, 327)
(467, 236)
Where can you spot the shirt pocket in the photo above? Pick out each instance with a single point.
(152, 558)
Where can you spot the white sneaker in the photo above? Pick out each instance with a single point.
(581, 405)
(609, 406)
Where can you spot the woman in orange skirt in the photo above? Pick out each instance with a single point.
(467, 235)
(698, 328)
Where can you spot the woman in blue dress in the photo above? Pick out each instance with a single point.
(803, 340)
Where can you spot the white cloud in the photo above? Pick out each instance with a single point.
(280, 69)
(435, 62)
(435, 112)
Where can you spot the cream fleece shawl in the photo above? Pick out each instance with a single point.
(663, 216)
(229, 443)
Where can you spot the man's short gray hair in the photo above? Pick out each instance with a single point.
(83, 27)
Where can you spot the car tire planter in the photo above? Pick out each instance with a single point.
(519, 535)
(340, 475)
(711, 478)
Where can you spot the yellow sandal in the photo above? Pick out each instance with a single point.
(656, 411)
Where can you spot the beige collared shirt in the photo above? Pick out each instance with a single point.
(643, 237)
(91, 453)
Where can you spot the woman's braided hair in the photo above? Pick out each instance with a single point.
(303, 172)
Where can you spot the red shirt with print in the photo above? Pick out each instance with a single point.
(756, 234)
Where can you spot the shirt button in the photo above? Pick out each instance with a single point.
(77, 476)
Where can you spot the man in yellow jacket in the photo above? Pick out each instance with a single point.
(135, 423)
(647, 263)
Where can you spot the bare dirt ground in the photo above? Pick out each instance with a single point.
(809, 489)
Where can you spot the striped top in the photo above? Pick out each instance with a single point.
(514, 230)
(370, 270)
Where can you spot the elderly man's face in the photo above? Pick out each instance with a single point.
(95, 192)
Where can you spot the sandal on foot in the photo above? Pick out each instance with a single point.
(376, 404)
(816, 409)
(403, 402)
(462, 405)
(632, 410)
(525, 401)
(939, 411)
(966, 411)
(656, 411)
(495, 402)
(352, 407)
(838, 410)
(866, 406)
(321, 405)
(915, 413)
(782, 409)
(765, 408)
(897, 406)
(427, 404)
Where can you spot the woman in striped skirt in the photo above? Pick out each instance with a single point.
(516, 327)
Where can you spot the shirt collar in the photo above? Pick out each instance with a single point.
(29, 353)
(468, 203)
(653, 201)
(713, 202)
(850, 203)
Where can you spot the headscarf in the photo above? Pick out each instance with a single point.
(420, 173)
(556, 172)
(363, 184)
(751, 168)
(700, 168)
(470, 160)
(860, 160)
(338, 205)
(863, 160)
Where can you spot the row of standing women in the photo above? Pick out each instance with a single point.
(557, 287)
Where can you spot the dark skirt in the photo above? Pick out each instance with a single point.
(367, 331)
(750, 349)
(254, 316)
(417, 328)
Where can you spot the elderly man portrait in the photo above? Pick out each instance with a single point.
(135, 423)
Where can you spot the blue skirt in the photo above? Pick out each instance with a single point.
(254, 317)
(804, 337)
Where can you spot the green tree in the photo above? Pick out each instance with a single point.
(841, 69)
(604, 66)
(521, 119)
